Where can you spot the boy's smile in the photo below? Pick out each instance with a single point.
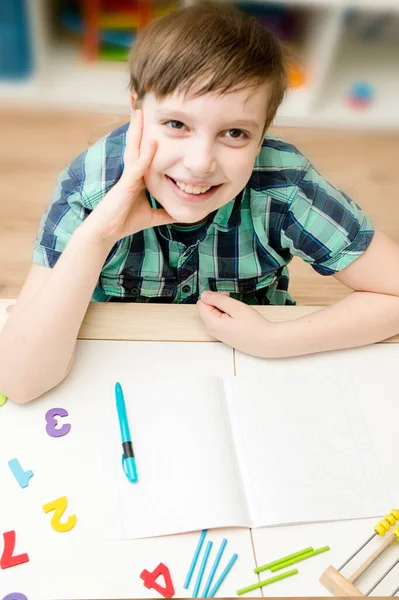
(206, 148)
(192, 191)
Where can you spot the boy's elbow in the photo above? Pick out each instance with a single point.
(21, 395)
(22, 392)
(21, 398)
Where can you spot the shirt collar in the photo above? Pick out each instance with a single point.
(228, 217)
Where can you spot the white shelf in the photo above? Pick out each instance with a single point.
(333, 63)
(377, 5)
(374, 5)
(20, 91)
(304, 3)
(297, 102)
(72, 81)
(371, 62)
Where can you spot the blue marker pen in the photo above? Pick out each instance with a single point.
(128, 460)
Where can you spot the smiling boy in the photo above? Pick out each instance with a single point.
(192, 204)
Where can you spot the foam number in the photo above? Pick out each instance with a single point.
(20, 475)
(52, 424)
(7, 559)
(59, 506)
(15, 596)
(149, 578)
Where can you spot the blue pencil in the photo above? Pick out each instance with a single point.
(214, 567)
(194, 561)
(223, 576)
(202, 569)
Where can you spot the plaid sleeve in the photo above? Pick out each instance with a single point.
(62, 217)
(323, 225)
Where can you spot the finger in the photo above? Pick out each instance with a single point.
(133, 138)
(147, 154)
(222, 302)
(216, 322)
(140, 166)
(210, 314)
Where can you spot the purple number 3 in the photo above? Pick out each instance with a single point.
(52, 422)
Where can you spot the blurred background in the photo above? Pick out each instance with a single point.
(64, 83)
(73, 53)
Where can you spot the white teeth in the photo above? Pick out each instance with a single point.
(192, 189)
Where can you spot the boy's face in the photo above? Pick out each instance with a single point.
(205, 142)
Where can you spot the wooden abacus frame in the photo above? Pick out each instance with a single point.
(338, 585)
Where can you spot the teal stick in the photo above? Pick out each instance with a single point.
(202, 569)
(223, 576)
(255, 586)
(299, 558)
(284, 559)
(195, 558)
(214, 568)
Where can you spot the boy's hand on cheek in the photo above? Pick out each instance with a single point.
(125, 210)
(236, 323)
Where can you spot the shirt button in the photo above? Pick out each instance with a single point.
(186, 289)
(135, 291)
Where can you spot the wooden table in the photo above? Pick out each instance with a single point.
(80, 564)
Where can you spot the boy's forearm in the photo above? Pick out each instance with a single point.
(359, 319)
(37, 342)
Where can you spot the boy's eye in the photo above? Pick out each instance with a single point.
(174, 124)
(236, 134)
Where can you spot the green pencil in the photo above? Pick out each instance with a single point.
(288, 563)
(283, 559)
(255, 586)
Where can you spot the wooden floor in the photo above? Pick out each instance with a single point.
(36, 145)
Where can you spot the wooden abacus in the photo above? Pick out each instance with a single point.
(338, 585)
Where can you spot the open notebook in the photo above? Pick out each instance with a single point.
(215, 452)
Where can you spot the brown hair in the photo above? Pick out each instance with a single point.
(204, 48)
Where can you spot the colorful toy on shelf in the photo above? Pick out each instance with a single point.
(279, 19)
(284, 22)
(16, 56)
(109, 28)
(113, 52)
(370, 27)
(122, 38)
(118, 5)
(90, 27)
(296, 76)
(361, 94)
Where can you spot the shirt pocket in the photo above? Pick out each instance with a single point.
(144, 288)
(243, 285)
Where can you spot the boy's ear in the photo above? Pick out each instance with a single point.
(133, 99)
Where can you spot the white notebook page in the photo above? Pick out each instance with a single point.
(304, 451)
(253, 452)
(188, 476)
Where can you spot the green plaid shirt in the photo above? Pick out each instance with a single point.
(286, 209)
